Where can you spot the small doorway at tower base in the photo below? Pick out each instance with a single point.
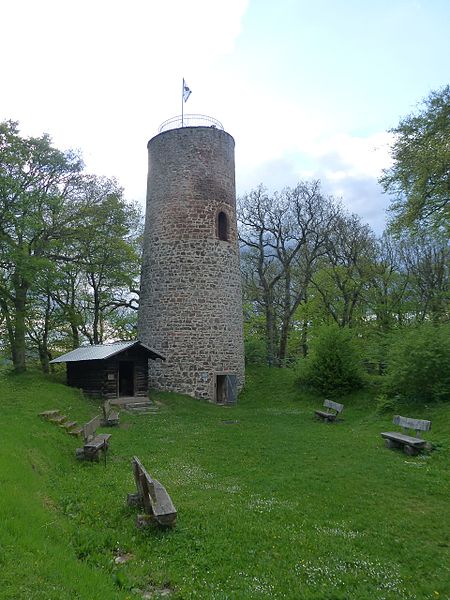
(226, 388)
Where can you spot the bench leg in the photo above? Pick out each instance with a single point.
(143, 521)
(410, 450)
(134, 500)
(79, 453)
(391, 443)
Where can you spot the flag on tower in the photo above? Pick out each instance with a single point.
(186, 91)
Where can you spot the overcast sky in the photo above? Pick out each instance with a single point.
(308, 89)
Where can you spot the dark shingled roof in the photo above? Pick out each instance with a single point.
(102, 351)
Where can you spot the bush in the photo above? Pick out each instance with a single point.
(255, 351)
(386, 404)
(333, 365)
(419, 364)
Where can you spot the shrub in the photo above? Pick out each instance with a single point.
(419, 364)
(333, 365)
(255, 351)
(385, 404)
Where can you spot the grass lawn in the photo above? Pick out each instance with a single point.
(271, 503)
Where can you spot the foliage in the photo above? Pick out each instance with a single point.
(69, 251)
(333, 365)
(36, 181)
(419, 178)
(271, 503)
(419, 363)
(385, 403)
(284, 237)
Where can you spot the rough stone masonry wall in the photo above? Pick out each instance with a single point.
(191, 301)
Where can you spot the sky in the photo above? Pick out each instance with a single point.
(308, 89)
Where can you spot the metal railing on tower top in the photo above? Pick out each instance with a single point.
(190, 121)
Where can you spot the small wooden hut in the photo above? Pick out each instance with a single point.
(110, 370)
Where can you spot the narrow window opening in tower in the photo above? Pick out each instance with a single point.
(222, 226)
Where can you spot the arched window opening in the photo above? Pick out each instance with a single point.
(222, 226)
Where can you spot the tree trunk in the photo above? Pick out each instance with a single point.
(270, 329)
(18, 346)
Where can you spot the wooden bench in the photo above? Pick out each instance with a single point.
(152, 497)
(411, 445)
(94, 442)
(329, 415)
(110, 417)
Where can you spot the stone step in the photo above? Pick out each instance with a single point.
(75, 432)
(58, 419)
(48, 414)
(138, 404)
(141, 408)
(69, 425)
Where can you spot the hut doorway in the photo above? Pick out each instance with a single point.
(126, 378)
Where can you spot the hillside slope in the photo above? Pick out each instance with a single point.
(271, 503)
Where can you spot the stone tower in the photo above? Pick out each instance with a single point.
(191, 301)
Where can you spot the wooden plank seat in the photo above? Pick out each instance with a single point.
(411, 445)
(110, 417)
(152, 497)
(94, 442)
(329, 415)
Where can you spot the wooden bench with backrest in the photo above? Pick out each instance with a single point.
(152, 497)
(330, 415)
(411, 445)
(110, 417)
(94, 442)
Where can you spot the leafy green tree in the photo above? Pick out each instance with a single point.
(97, 289)
(419, 363)
(333, 365)
(38, 207)
(419, 179)
(109, 256)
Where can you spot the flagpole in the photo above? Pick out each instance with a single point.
(182, 103)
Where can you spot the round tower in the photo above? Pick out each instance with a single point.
(191, 300)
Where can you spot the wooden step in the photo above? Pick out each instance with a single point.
(59, 419)
(48, 414)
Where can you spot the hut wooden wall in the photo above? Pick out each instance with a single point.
(87, 375)
(99, 378)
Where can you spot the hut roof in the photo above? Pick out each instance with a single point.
(102, 351)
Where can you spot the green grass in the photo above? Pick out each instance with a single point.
(271, 503)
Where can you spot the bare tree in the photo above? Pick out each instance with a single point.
(282, 236)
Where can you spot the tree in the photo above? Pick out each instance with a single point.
(333, 365)
(419, 178)
(97, 287)
(342, 280)
(419, 363)
(282, 236)
(36, 183)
